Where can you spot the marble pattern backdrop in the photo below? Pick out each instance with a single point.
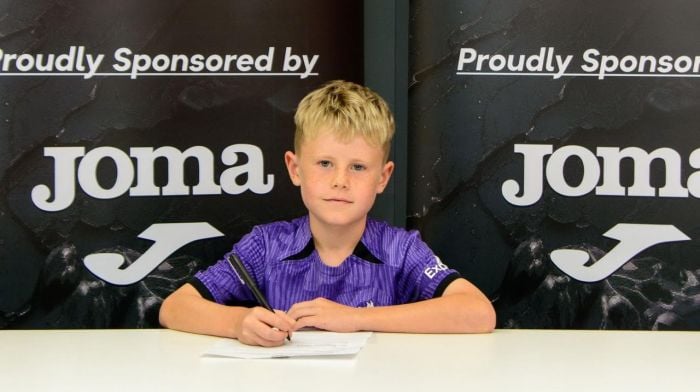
(43, 281)
(462, 133)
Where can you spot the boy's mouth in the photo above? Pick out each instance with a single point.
(334, 200)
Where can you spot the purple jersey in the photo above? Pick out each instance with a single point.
(389, 266)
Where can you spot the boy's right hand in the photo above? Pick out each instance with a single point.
(260, 327)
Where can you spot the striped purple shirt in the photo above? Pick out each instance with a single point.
(389, 266)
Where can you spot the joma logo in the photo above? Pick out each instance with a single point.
(534, 167)
(141, 169)
(605, 181)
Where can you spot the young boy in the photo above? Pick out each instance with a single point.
(334, 269)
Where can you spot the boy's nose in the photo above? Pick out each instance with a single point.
(340, 180)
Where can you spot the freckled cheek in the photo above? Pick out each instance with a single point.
(318, 178)
(313, 184)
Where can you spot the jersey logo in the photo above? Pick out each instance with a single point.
(431, 271)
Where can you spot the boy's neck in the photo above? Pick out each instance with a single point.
(335, 243)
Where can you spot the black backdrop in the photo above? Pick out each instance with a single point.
(43, 281)
(457, 144)
(463, 133)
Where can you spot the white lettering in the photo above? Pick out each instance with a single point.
(555, 171)
(534, 163)
(137, 64)
(146, 156)
(546, 60)
(694, 179)
(533, 158)
(121, 57)
(293, 63)
(87, 173)
(466, 56)
(431, 271)
(590, 60)
(643, 64)
(64, 179)
(234, 180)
(612, 157)
(253, 168)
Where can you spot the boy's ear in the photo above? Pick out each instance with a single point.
(290, 160)
(385, 176)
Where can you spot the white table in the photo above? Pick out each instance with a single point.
(507, 360)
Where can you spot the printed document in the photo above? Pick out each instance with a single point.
(304, 343)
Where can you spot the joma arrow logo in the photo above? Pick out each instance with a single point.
(167, 237)
(634, 238)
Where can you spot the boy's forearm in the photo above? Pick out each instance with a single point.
(456, 313)
(462, 308)
(185, 310)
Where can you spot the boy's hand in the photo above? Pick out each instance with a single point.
(260, 327)
(324, 314)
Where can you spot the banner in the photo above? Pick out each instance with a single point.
(552, 149)
(554, 156)
(140, 140)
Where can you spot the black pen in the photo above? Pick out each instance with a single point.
(238, 266)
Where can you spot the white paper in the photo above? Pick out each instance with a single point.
(304, 343)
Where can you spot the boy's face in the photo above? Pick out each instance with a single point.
(339, 180)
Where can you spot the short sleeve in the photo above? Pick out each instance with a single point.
(220, 282)
(424, 275)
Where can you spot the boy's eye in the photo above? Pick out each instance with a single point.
(358, 167)
(324, 163)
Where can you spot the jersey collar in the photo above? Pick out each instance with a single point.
(361, 251)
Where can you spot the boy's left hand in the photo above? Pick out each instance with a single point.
(324, 314)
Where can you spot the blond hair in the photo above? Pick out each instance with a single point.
(348, 110)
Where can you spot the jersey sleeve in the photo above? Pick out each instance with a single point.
(424, 275)
(221, 284)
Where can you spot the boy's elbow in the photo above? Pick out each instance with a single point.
(477, 313)
(488, 318)
(480, 317)
(165, 312)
